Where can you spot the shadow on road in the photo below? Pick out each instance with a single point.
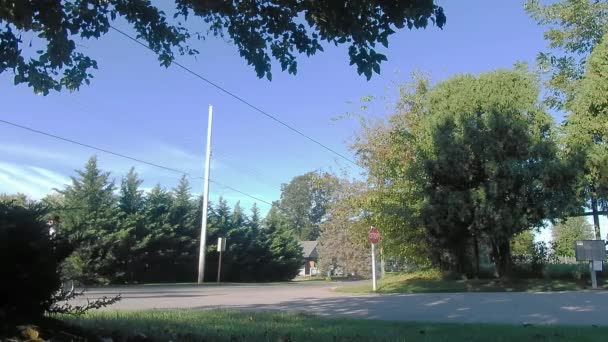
(518, 308)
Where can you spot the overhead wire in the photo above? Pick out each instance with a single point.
(242, 100)
(121, 155)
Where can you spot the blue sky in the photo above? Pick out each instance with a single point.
(138, 108)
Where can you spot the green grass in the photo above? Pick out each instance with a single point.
(434, 281)
(221, 325)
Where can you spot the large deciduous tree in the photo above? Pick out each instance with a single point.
(491, 164)
(304, 202)
(586, 131)
(464, 166)
(343, 242)
(574, 27)
(387, 150)
(263, 31)
(566, 232)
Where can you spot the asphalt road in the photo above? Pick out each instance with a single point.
(576, 308)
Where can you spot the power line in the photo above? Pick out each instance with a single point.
(138, 160)
(230, 162)
(93, 147)
(242, 100)
(240, 192)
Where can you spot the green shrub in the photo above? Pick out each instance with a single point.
(29, 261)
(534, 263)
(576, 271)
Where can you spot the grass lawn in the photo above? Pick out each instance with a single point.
(222, 325)
(433, 281)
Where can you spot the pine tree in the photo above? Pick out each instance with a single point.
(285, 253)
(181, 209)
(182, 218)
(238, 216)
(90, 223)
(158, 246)
(255, 220)
(127, 248)
(131, 198)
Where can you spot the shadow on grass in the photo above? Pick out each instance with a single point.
(433, 281)
(229, 325)
(419, 285)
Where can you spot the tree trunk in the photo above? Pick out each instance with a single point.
(476, 247)
(502, 258)
(461, 260)
(596, 217)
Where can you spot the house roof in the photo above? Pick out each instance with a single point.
(309, 249)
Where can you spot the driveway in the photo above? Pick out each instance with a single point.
(577, 308)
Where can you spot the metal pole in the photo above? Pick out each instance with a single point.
(219, 267)
(593, 276)
(374, 285)
(382, 264)
(201, 252)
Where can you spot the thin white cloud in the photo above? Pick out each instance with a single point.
(175, 151)
(24, 151)
(10, 185)
(184, 160)
(51, 178)
(33, 181)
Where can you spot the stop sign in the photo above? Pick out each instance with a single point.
(374, 235)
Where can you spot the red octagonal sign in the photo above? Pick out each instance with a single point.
(374, 235)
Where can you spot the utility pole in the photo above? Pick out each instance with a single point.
(203, 247)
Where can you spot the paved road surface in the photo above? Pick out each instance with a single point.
(580, 308)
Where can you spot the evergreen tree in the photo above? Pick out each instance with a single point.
(127, 248)
(238, 216)
(182, 219)
(181, 208)
(90, 223)
(154, 237)
(131, 199)
(158, 246)
(285, 253)
(255, 220)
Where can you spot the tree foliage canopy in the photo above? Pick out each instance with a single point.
(304, 202)
(566, 232)
(132, 237)
(343, 245)
(468, 162)
(262, 31)
(574, 28)
(387, 150)
(586, 131)
(490, 162)
(29, 260)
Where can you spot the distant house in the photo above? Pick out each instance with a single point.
(309, 252)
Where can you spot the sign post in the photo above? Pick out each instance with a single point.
(593, 251)
(221, 247)
(374, 238)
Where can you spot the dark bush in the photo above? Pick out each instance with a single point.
(29, 261)
(533, 265)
